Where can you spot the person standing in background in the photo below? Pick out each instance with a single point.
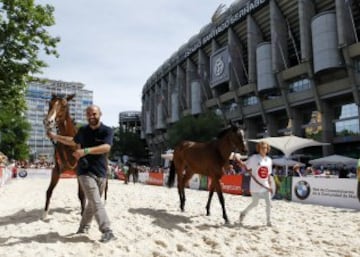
(296, 171)
(94, 143)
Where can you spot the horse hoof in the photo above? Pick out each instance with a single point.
(45, 215)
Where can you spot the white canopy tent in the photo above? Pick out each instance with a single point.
(335, 160)
(237, 156)
(286, 162)
(289, 144)
(167, 156)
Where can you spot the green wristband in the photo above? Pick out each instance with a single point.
(86, 151)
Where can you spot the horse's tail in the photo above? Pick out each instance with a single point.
(171, 179)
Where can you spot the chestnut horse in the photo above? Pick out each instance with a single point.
(207, 159)
(58, 117)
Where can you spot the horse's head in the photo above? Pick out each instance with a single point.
(58, 111)
(237, 137)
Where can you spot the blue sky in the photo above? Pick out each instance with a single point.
(114, 46)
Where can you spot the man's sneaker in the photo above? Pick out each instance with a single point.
(107, 236)
(83, 229)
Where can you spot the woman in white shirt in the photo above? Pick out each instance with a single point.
(260, 167)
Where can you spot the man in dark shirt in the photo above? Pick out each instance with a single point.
(94, 141)
(343, 172)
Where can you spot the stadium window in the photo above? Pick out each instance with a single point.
(299, 85)
(348, 120)
(250, 100)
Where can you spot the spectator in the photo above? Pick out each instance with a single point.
(343, 172)
(296, 171)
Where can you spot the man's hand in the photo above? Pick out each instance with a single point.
(50, 134)
(79, 153)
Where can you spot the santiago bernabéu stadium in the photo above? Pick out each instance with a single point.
(275, 67)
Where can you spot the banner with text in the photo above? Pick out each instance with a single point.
(326, 191)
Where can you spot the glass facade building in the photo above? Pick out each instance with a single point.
(38, 94)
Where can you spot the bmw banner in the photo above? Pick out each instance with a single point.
(326, 191)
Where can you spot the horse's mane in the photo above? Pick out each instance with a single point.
(223, 132)
(58, 96)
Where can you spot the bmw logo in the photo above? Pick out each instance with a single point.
(22, 173)
(302, 190)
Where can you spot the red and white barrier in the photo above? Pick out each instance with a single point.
(5, 175)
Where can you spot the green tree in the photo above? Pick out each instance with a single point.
(128, 143)
(14, 136)
(200, 128)
(23, 36)
(115, 152)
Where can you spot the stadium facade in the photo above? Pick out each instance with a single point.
(276, 67)
(38, 95)
(129, 121)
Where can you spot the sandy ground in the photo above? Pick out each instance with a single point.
(147, 222)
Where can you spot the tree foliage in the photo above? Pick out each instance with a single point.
(13, 136)
(23, 36)
(128, 143)
(201, 128)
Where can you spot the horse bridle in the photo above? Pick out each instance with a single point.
(48, 128)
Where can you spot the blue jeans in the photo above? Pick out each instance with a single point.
(93, 188)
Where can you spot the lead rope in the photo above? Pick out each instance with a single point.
(60, 156)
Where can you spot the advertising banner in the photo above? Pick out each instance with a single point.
(34, 173)
(336, 192)
(194, 182)
(155, 178)
(231, 184)
(6, 175)
(68, 174)
(121, 175)
(285, 187)
(203, 182)
(143, 177)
